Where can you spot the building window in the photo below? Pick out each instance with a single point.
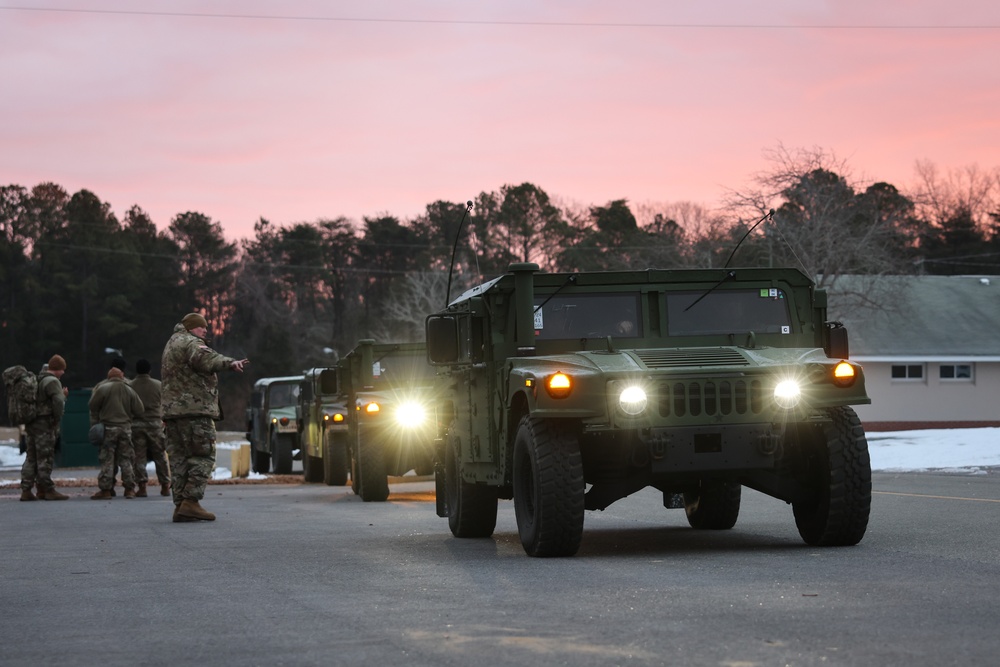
(912, 372)
(956, 372)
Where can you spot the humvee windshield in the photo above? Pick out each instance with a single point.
(283, 395)
(588, 316)
(401, 371)
(763, 310)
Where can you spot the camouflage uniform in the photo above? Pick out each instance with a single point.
(41, 435)
(190, 401)
(147, 433)
(115, 404)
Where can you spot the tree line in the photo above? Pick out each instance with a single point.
(78, 280)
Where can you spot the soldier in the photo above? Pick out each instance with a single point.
(42, 432)
(147, 433)
(115, 404)
(190, 407)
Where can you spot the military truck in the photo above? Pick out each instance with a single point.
(271, 424)
(389, 387)
(570, 391)
(322, 421)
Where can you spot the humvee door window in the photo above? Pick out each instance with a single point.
(573, 316)
(763, 310)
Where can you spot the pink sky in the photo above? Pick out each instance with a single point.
(304, 117)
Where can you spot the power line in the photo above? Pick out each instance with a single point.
(469, 22)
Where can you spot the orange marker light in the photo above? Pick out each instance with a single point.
(559, 385)
(843, 374)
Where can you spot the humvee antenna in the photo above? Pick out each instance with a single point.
(767, 215)
(454, 248)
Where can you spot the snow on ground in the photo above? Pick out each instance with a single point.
(961, 451)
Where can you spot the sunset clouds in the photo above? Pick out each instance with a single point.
(300, 116)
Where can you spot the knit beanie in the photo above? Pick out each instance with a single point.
(142, 366)
(115, 373)
(57, 363)
(193, 321)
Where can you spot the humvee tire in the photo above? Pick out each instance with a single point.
(281, 453)
(714, 505)
(836, 463)
(548, 488)
(261, 461)
(312, 468)
(372, 469)
(472, 508)
(334, 459)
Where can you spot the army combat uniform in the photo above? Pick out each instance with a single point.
(190, 401)
(148, 435)
(40, 439)
(115, 404)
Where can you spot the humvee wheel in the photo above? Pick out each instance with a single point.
(472, 508)
(352, 454)
(312, 468)
(714, 505)
(836, 464)
(281, 454)
(373, 477)
(260, 461)
(334, 459)
(548, 488)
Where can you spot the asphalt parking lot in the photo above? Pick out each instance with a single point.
(296, 574)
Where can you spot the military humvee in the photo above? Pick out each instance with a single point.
(388, 387)
(570, 391)
(271, 424)
(322, 422)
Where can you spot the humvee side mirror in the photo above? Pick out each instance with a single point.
(255, 398)
(328, 382)
(837, 346)
(306, 391)
(442, 339)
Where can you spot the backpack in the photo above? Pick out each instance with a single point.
(22, 395)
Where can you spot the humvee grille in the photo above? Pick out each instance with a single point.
(695, 398)
(691, 357)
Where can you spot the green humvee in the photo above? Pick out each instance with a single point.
(271, 424)
(322, 422)
(567, 392)
(388, 389)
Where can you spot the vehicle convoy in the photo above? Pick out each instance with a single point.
(322, 422)
(569, 391)
(390, 431)
(271, 424)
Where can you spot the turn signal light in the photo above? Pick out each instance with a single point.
(559, 385)
(843, 374)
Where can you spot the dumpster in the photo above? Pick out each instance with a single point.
(76, 450)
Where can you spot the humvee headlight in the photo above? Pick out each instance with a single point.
(283, 421)
(338, 418)
(559, 385)
(632, 400)
(787, 394)
(411, 414)
(843, 374)
(372, 408)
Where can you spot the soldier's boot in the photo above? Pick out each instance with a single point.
(52, 494)
(182, 519)
(165, 489)
(141, 491)
(129, 493)
(191, 508)
(113, 492)
(40, 494)
(104, 494)
(26, 494)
